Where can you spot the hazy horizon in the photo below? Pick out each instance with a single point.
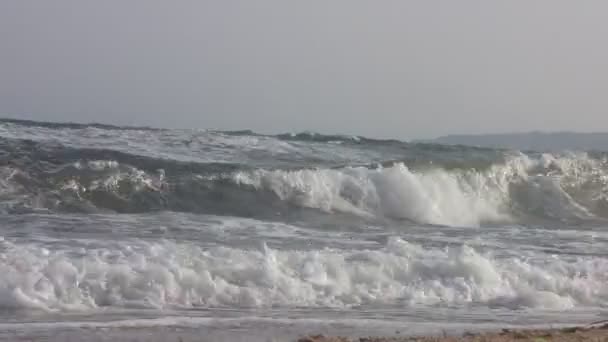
(429, 138)
(405, 70)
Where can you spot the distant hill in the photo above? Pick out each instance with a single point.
(537, 141)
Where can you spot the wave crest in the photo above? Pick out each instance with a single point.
(522, 188)
(569, 187)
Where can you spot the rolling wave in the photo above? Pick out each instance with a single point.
(39, 176)
(565, 188)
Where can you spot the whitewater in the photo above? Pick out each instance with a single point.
(134, 233)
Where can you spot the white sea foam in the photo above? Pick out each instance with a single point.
(164, 275)
(458, 197)
(570, 187)
(437, 196)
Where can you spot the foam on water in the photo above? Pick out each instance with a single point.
(456, 197)
(105, 223)
(564, 188)
(436, 197)
(161, 275)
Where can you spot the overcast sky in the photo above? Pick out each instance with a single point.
(404, 69)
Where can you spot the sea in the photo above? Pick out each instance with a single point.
(114, 233)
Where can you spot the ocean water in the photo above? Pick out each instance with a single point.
(113, 233)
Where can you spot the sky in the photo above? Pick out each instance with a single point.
(400, 69)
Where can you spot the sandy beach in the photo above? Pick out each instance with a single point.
(595, 332)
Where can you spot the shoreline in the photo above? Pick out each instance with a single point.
(260, 332)
(595, 332)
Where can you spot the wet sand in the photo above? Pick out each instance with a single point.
(595, 332)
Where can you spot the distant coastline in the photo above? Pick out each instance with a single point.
(537, 141)
(524, 141)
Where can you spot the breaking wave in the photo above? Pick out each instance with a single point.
(567, 187)
(519, 188)
(161, 275)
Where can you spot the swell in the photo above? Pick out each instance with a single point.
(302, 136)
(41, 176)
(298, 137)
(334, 138)
(73, 125)
(521, 188)
(28, 154)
